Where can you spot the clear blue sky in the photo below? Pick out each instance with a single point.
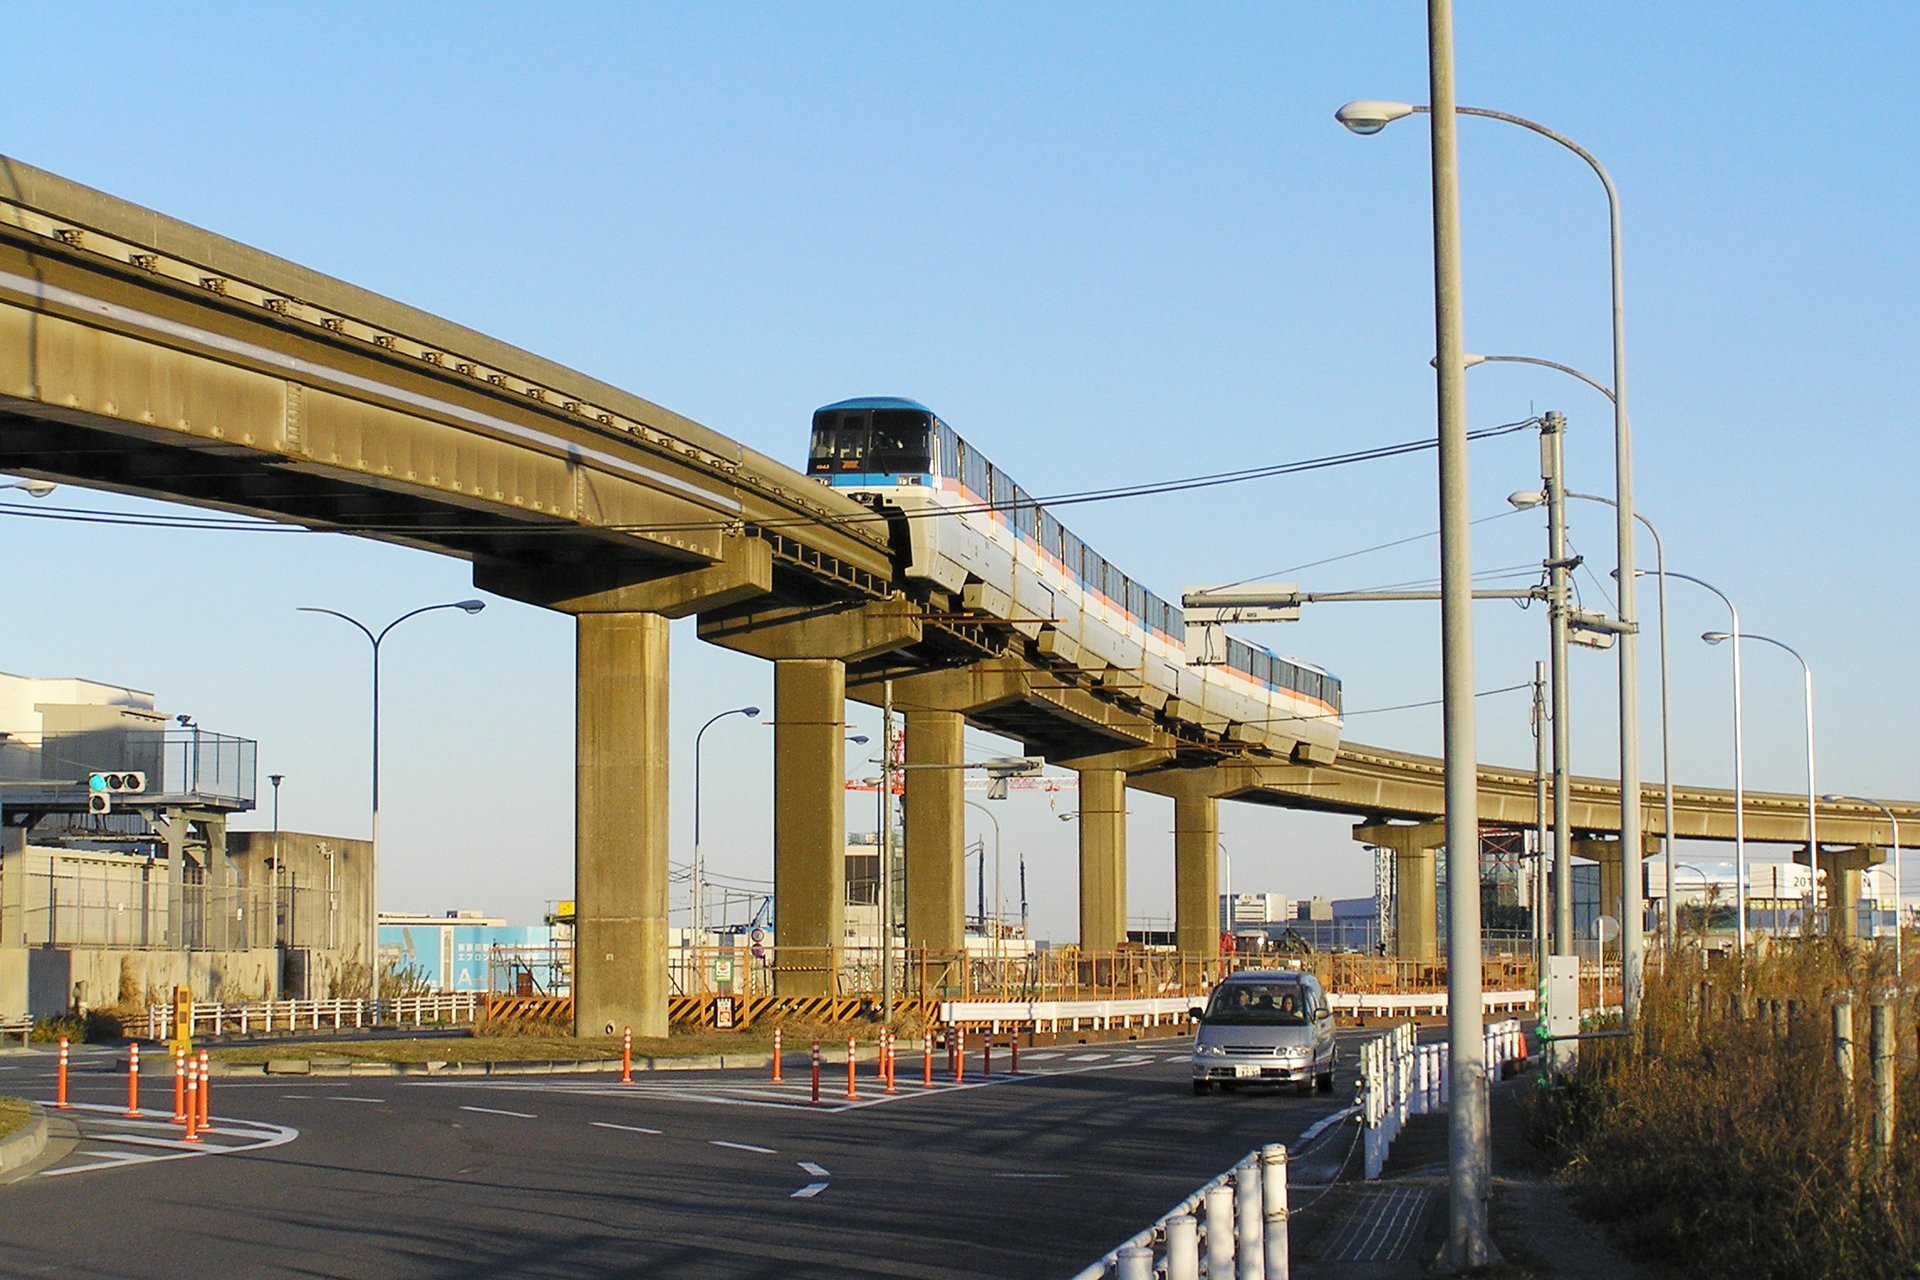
(1108, 243)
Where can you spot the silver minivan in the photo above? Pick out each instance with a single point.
(1265, 1026)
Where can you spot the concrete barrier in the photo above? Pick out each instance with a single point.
(24, 1145)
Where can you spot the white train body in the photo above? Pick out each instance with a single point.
(972, 533)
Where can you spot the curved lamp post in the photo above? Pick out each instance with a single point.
(974, 804)
(1739, 763)
(1370, 117)
(1813, 830)
(697, 917)
(373, 858)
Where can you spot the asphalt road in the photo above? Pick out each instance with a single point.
(708, 1174)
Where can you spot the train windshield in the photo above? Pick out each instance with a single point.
(871, 440)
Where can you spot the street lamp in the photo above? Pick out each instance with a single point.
(698, 914)
(1739, 766)
(1898, 974)
(1813, 831)
(1369, 117)
(32, 488)
(975, 804)
(1470, 1169)
(373, 858)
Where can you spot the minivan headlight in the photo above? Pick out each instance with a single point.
(1218, 1050)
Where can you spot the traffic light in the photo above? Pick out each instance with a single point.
(102, 787)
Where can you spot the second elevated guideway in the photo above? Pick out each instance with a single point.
(145, 356)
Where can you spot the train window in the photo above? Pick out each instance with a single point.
(1025, 512)
(899, 442)
(1136, 599)
(1050, 532)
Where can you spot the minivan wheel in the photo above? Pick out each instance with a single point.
(1202, 1087)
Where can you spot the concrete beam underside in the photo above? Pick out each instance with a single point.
(620, 826)
(1103, 859)
(936, 831)
(1196, 874)
(809, 822)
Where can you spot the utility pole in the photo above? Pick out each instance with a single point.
(1553, 428)
(1539, 894)
(886, 854)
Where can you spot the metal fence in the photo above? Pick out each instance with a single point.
(267, 1016)
(188, 764)
(122, 903)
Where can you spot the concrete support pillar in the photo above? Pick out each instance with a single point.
(1416, 921)
(1196, 875)
(1843, 867)
(620, 824)
(1103, 859)
(936, 831)
(809, 823)
(1606, 852)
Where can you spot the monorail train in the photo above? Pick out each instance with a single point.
(962, 527)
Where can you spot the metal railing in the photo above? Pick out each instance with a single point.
(1400, 1077)
(188, 765)
(268, 1016)
(1238, 1222)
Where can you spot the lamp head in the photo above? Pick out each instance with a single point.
(749, 711)
(471, 606)
(1833, 799)
(38, 488)
(1715, 637)
(858, 739)
(1368, 117)
(1526, 499)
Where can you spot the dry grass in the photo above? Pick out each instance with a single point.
(13, 1116)
(1713, 1143)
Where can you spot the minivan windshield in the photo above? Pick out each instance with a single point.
(1258, 1004)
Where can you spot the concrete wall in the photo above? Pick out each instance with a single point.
(46, 981)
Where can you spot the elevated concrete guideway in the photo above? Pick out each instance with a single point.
(145, 356)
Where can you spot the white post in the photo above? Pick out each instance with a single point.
(1273, 1192)
(1247, 1254)
(1220, 1231)
(1134, 1264)
(1183, 1248)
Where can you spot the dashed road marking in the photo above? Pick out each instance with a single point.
(1029, 1175)
(341, 1097)
(1089, 1057)
(809, 1191)
(1041, 1057)
(495, 1111)
(814, 1169)
(742, 1146)
(627, 1128)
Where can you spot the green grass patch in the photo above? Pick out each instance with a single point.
(13, 1116)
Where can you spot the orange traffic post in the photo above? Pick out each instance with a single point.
(193, 1101)
(852, 1092)
(776, 1055)
(986, 1054)
(179, 1085)
(816, 1073)
(1013, 1048)
(133, 1080)
(886, 1060)
(926, 1058)
(959, 1054)
(626, 1056)
(206, 1093)
(60, 1094)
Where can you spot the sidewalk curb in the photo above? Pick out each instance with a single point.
(343, 1067)
(24, 1146)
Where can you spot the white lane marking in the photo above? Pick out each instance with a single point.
(742, 1146)
(814, 1169)
(809, 1191)
(341, 1097)
(100, 1123)
(1324, 1123)
(495, 1111)
(1041, 1057)
(625, 1128)
(1089, 1057)
(1029, 1175)
(303, 1097)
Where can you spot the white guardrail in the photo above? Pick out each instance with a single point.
(247, 1017)
(1237, 1222)
(1400, 1077)
(1157, 1011)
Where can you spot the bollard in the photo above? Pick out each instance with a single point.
(193, 1101)
(1183, 1248)
(1133, 1264)
(1880, 1049)
(853, 1094)
(60, 1092)
(1273, 1196)
(886, 1060)
(926, 1057)
(776, 1055)
(133, 1079)
(179, 1086)
(1013, 1053)
(986, 1054)
(959, 1053)
(1843, 1047)
(626, 1056)
(816, 1073)
(1219, 1240)
(1248, 1255)
(206, 1093)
